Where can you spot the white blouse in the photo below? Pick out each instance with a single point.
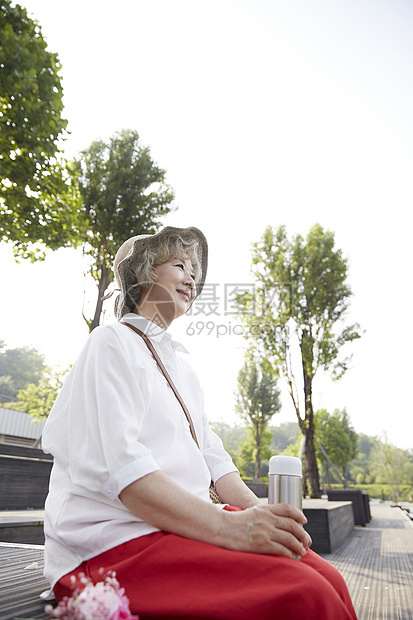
(116, 420)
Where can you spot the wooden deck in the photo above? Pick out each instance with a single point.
(376, 561)
(21, 581)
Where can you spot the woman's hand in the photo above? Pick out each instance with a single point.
(266, 529)
(270, 529)
(276, 529)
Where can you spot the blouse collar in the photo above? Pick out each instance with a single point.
(153, 331)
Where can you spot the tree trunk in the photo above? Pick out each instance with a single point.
(104, 282)
(258, 437)
(313, 480)
(345, 485)
(258, 465)
(311, 468)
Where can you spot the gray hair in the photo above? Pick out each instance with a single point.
(138, 257)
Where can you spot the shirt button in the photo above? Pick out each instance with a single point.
(110, 494)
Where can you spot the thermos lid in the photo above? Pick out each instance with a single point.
(285, 465)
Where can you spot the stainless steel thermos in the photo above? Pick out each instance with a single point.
(285, 481)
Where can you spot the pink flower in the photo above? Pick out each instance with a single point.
(105, 600)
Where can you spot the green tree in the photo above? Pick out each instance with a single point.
(361, 464)
(37, 398)
(335, 438)
(392, 466)
(293, 449)
(284, 435)
(36, 205)
(349, 429)
(231, 436)
(7, 390)
(123, 193)
(297, 312)
(257, 402)
(18, 368)
(360, 478)
(246, 459)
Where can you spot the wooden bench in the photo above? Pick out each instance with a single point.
(24, 477)
(21, 565)
(376, 562)
(329, 523)
(24, 483)
(360, 502)
(21, 572)
(23, 526)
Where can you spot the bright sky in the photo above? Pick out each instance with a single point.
(263, 112)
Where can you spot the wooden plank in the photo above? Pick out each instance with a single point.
(376, 562)
(27, 452)
(22, 532)
(24, 482)
(22, 582)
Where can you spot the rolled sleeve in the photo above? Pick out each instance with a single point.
(128, 474)
(218, 460)
(222, 470)
(95, 426)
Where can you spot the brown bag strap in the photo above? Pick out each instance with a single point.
(167, 377)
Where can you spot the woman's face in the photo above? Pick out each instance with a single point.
(172, 292)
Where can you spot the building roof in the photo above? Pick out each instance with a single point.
(19, 424)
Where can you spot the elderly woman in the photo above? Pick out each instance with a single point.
(133, 462)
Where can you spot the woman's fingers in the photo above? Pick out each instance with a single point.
(286, 510)
(296, 544)
(286, 519)
(275, 529)
(279, 523)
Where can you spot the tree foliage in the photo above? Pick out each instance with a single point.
(36, 203)
(297, 312)
(18, 368)
(248, 451)
(369, 467)
(231, 436)
(335, 437)
(123, 193)
(257, 402)
(239, 443)
(392, 465)
(37, 398)
(284, 435)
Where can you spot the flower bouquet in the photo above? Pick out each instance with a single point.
(105, 600)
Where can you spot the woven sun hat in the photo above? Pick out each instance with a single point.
(130, 252)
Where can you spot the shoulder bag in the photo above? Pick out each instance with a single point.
(215, 498)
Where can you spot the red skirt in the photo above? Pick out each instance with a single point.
(168, 577)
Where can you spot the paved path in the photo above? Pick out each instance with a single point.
(377, 563)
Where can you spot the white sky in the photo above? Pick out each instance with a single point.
(263, 112)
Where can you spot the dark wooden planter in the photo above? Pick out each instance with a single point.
(359, 499)
(24, 477)
(259, 488)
